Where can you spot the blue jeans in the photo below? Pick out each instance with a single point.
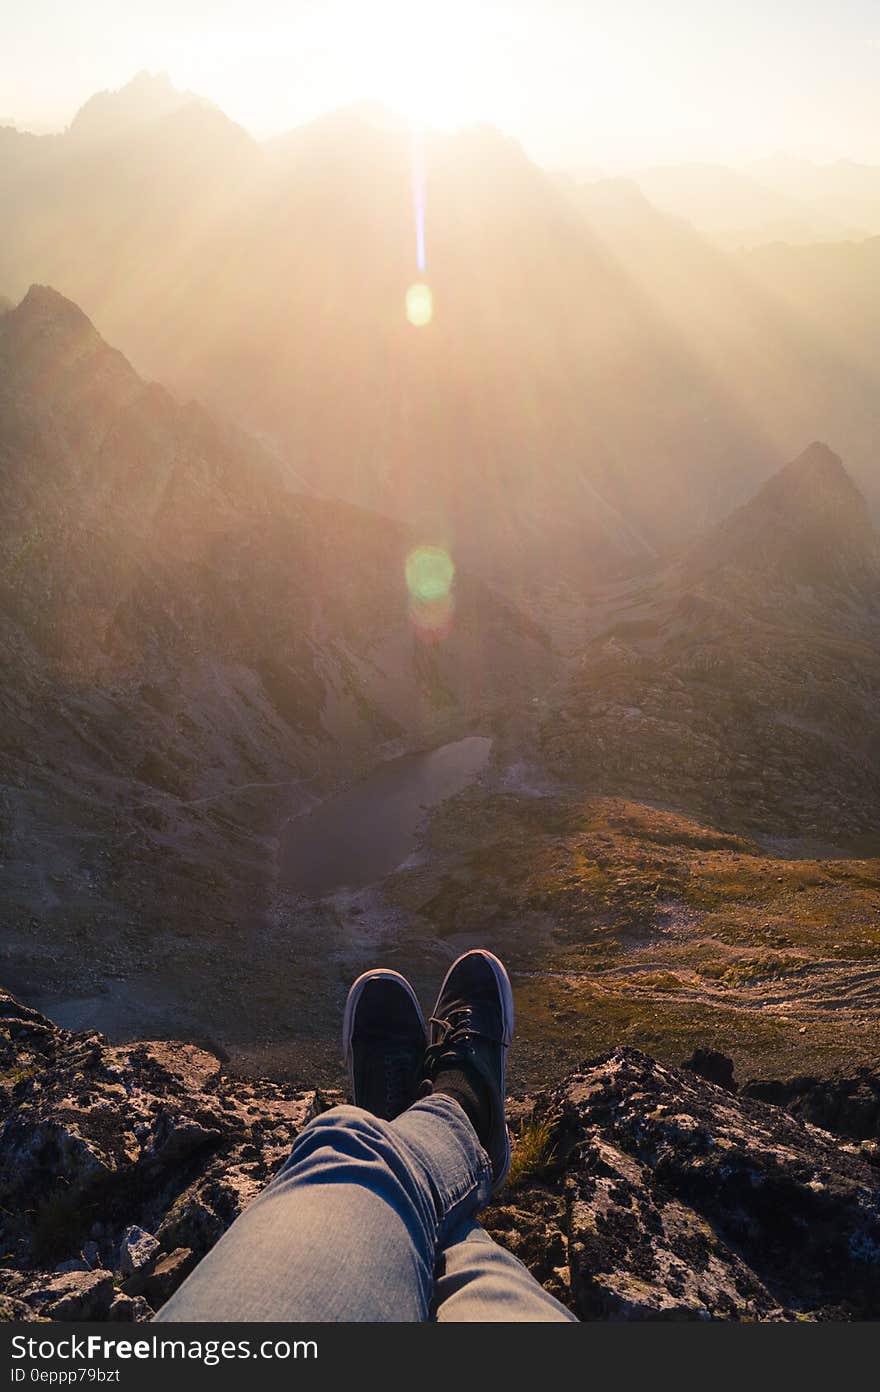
(369, 1220)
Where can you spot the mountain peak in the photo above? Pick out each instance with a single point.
(817, 458)
(44, 304)
(46, 333)
(151, 84)
(807, 525)
(147, 97)
(813, 482)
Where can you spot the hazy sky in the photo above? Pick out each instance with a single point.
(613, 84)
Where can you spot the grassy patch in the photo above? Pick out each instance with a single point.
(762, 966)
(19, 1073)
(534, 1149)
(624, 923)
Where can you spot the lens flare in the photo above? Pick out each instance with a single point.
(419, 305)
(430, 572)
(418, 183)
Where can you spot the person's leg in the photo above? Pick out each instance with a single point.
(470, 1032)
(372, 1218)
(477, 1281)
(351, 1226)
(347, 1228)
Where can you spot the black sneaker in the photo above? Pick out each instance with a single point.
(470, 1032)
(383, 1038)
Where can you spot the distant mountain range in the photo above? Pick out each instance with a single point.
(598, 384)
(774, 199)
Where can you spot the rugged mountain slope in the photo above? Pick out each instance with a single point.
(148, 97)
(284, 273)
(741, 683)
(834, 293)
(809, 524)
(191, 651)
(624, 922)
(653, 1194)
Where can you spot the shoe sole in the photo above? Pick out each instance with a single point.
(505, 990)
(351, 1004)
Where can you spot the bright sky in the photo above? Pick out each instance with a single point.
(579, 82)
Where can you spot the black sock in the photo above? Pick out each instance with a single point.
(470, 1092)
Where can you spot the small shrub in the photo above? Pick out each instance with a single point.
(534, 1149)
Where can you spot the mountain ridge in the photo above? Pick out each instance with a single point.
(147, 97)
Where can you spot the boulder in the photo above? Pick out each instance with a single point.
(75, 1295)
(160, 1279)
(129, 1309)
(847, 1103)
(136, 1250)
(684, 1201)
(714, 1066)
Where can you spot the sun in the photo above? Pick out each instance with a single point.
(429, 62)
(442, 65)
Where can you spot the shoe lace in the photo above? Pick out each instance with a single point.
(456, 1028)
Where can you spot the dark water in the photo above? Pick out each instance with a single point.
(363, 834)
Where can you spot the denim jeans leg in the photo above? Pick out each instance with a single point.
(477, 1281)
(350, 1227)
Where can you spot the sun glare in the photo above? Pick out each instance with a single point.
(435, 64)
(426, 61)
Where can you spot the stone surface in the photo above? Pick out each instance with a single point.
(672, 1198)
(659, 1194)
(136, 1250)
(713, 1066)
(847, 1102)
(76, 1295)
(160, 1278)
(118, 1157)
(128, 1309)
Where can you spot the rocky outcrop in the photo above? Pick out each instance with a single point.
(640, 1192)
(120, 1166)
(685, 1203)
(847, 1102)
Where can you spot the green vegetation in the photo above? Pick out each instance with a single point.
(19, 1073)
(625, 923)
(534, 1149)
